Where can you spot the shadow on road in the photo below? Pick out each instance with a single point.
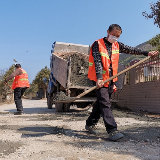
(36, 110)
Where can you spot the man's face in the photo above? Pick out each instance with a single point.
(114, 32)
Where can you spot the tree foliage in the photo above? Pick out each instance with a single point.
(8, 72)
(4, 89)
(155, 13)
(39, 79)
(155, 42)
(31, 91)
(38, 82)
(4, 74)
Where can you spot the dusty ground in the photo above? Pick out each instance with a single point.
(46, 135)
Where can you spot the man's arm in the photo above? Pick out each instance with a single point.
(97, 60)
(131, 50)
(16, 73)
(98, 64)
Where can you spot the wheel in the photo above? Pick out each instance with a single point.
(82, 104)
(49, 102)
(66, 107)
(59, 107)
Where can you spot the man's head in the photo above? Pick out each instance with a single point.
(114, 31)
(17, 66)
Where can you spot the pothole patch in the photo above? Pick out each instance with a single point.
(7, 147)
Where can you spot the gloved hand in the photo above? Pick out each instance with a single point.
(5, 81)
(114, 88)
(100, 83)
(153, 53)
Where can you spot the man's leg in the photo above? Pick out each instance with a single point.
(108, 118)
(104, 103)
(17, 99)
(93, 119)
(23, 90)
(94, 115)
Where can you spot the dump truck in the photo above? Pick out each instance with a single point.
(69, 69)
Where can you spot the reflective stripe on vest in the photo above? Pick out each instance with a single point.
(90, 64)
(23, 79)
(115, 51)
(104, 55)
(103, 72)
(24, 72)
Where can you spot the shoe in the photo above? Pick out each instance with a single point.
(18, 113)
(91, 129)
(115, 135)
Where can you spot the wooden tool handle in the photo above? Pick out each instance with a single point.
(109, 79)
(8, 85)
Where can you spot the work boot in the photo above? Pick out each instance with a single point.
(115, 135)
(91, 129)
(18, 113)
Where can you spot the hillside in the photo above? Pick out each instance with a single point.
(126, 58)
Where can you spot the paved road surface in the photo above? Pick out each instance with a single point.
(43, 134)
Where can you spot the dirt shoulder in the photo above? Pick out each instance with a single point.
(47, 135)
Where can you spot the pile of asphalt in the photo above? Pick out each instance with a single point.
(60, 96)
(79, 68)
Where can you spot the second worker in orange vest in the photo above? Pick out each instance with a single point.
(20, 84)
(103, 63)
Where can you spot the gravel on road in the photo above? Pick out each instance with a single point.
(44, 134)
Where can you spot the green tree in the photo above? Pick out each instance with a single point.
(155, 13)
(8, 72)
(4, 75)
(155, 42)
(39, 79)
(38, 82)
(31, 92)
(4, 89)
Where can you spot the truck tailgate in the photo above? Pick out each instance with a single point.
(59, 69)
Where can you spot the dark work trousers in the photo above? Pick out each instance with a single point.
(18, 92)
(102, 108)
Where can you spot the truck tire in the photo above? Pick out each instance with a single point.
(59, 107)
(82, 104)
(49, 102)
(66, 107)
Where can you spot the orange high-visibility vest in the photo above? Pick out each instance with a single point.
(105, 61)
(21, 80)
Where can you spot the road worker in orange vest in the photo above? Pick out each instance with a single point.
(20, 84)
(103, 63)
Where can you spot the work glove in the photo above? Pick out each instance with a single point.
(153, 53)
(5, 81)
(114, 88)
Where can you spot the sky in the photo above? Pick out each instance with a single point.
(29, 27)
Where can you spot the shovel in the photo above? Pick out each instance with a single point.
(8, 85)
(72, 99)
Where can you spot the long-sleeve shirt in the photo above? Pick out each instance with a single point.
(122, 49)
(15, 73)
